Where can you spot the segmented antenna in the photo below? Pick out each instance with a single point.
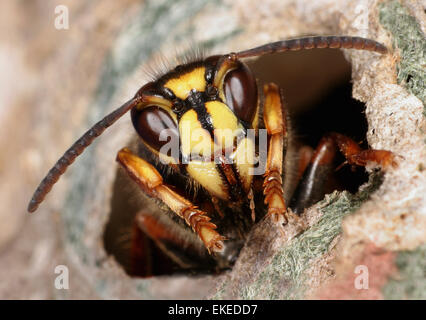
(75, 150)
(78, 147)
(344, 42)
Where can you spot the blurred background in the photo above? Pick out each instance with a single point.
(65, 64)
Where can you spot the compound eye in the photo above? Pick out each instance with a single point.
(151, 124)
(241, 93)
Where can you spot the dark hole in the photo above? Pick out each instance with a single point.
(318, 92)
(337, 112)
(317, 89)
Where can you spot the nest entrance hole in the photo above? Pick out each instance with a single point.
(318, 91)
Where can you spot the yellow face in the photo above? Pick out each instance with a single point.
(182, 85)
(213, 140)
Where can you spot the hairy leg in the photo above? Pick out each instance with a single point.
(275, 121)
(311, 186)
(151, 182)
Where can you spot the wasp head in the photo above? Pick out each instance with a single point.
(198, 117)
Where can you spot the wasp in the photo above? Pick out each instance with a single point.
(205, 124)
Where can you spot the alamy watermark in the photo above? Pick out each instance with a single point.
(62, 281)
(61, 17)
(361, 281)
(239, 147)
